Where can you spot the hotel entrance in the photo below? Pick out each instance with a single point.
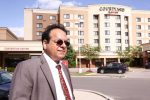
(9, 60)
(13, 52)
(12, 59)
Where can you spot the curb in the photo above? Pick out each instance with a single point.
(115, 76)
(97, 94)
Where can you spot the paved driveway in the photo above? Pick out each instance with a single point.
(132, 73)
(138, 73)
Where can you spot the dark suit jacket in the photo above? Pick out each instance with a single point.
(32, 80)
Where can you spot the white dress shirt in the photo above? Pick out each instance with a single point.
(55, 75)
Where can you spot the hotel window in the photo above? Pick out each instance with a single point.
(80, 33)
(106, 16)
(117, 17)
(52, 17)
(118, 24)
(139, 41)
(126, 18)
(107, 32)
(96, 40)
(107, 40)
(126, 33)
(80, 17)
(39, 17)
(118, 32)
(148, 27)
(66, 24)
(126, 48)
(95, 17)
(39, 33)
(138, 34)
(81, 41)
(126, 26)
(138, 26)
(80, 24)
(96, 33)
(118, 40)
(95, 25)
(107, 24)
(107, 48)
(148, 34)
(138, 19)
(68, 32)
(126, 41)
(66, 16)
(148, 19)
(80, 48)
(118, 48)
(39, 25)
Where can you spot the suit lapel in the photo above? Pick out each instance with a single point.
(48, 75)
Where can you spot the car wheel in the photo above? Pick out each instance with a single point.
(97, 71)
(120, 71)
(102, 71)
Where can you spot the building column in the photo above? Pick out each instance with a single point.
(145, 57)
(104, 61)
(119, 60)
(77, 63)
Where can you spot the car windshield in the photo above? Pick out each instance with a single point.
(109, 65)
(5, 78)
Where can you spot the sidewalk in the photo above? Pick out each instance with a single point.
(81, 94)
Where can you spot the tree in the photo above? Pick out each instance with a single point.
(70, 56)
(130, 53)
(89, 52)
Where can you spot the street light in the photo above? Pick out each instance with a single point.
(79, 57)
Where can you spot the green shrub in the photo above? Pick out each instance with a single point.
(10, 69)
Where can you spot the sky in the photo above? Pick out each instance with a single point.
(12, 11)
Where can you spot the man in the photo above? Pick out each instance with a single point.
(39, 78)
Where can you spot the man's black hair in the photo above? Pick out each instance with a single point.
(49, 28)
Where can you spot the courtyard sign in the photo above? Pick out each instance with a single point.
(16, 49)
(112, 9)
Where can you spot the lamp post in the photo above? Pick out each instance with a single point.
(79, 57)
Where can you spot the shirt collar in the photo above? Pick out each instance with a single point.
(51, 60)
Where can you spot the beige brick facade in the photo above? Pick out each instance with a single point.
(109, 26)
(6, 34)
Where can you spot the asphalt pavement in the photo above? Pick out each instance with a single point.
(93, 95)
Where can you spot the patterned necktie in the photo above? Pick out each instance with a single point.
(63, 83)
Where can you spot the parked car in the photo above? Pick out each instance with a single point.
(113, 67)
(147, 65)
(5, 81)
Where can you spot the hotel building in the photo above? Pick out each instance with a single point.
(110, 27)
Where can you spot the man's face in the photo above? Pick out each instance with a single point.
(53, 48)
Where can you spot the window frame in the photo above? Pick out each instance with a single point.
(66, 16)
(107, 40)
(39, 25)
(138, 19)
(39, 17)
(52, 17)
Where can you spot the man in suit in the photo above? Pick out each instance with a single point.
(38, 78)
